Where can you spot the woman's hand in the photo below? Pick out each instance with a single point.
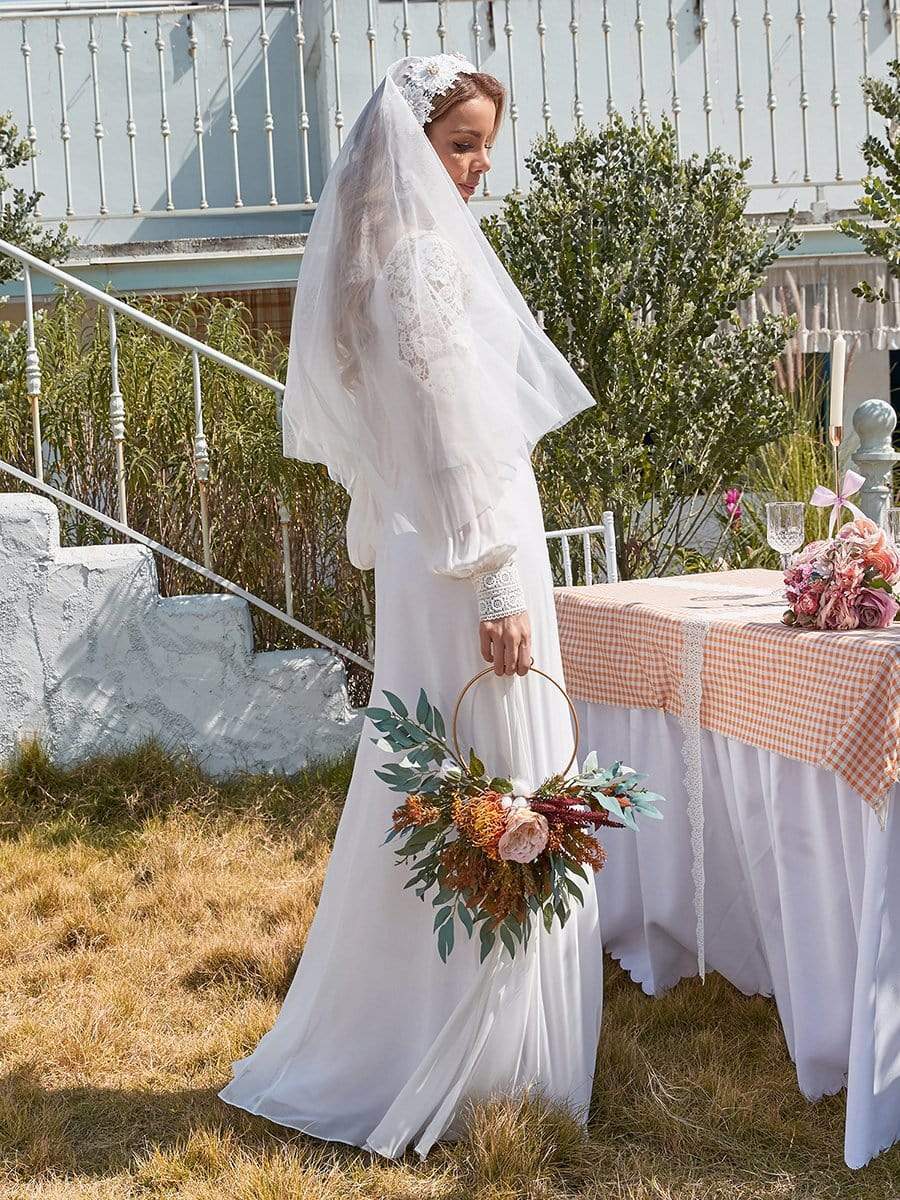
(506, 642)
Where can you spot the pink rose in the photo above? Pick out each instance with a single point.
(807, 605)
(809, 553)
(837, 611)
(886, 561)
(864, 532)
(877, 609)
(525, 836)
(878, 552)
(848, 574)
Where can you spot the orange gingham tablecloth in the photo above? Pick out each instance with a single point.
(828, 699)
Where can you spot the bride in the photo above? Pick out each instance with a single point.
(419, 376)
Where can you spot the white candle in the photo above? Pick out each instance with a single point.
(838, 360)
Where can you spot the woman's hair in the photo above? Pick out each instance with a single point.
(467, 87)
(363, 182)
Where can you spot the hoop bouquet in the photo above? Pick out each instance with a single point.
(495, 855)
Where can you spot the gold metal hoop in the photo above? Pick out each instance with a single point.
(490, 670)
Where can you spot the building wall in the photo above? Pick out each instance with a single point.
(794, 109)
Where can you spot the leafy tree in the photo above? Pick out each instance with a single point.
(638, 260)
(17, 222)
(881, 199)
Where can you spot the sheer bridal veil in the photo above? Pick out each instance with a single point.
(416, 371)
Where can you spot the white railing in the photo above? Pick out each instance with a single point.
(117, 308)
(240, 106)
(146, 39)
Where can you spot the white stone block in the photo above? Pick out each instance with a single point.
(93, 660)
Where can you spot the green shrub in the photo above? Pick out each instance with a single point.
(638, 260)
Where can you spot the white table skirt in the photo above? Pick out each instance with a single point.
(802, 901)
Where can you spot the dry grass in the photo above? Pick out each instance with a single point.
(150, 923)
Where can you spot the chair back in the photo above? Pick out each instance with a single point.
(587, 535)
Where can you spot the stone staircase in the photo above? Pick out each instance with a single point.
(93, 660)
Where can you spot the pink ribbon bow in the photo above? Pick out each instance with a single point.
(824, 497)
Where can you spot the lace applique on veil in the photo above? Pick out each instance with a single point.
(429, 292)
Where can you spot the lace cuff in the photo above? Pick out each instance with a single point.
(499, 592)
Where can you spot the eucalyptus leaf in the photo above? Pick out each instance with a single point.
(391, 781)
(445, 941)
(417, 735)
(574, 890)
(610, 803)
(396, 703)
(442, 915)
(575, 868)
(627, 818)
(488, 938)
(378, 714)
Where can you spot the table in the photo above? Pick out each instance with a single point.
(797, 871)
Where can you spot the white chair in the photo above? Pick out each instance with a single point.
(608, 532)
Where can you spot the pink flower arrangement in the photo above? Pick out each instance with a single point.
(846, 582)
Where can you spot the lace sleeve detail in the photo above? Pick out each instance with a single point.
(499, 592)
(425, 327)
(455, 480)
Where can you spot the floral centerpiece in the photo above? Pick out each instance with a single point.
(494, 855)
(845, 582)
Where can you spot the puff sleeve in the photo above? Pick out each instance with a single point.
(457, 476)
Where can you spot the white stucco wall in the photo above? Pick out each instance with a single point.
(93, 659)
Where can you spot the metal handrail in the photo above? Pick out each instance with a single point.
(197, 349)
(119, 306)
(112, 8)
(183, 561)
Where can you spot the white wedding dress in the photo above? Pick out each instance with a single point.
(378, 1042)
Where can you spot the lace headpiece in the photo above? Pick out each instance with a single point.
(429, 76)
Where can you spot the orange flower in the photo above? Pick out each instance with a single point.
(414, 812)
(481, 820)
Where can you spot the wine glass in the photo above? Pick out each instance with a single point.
(894, 525)
(785, 528)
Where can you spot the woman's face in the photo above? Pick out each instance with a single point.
(462, 137)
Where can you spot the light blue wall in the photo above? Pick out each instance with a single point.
(214, 106)
(351, 17)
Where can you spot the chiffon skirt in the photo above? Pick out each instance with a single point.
(379, 1043)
